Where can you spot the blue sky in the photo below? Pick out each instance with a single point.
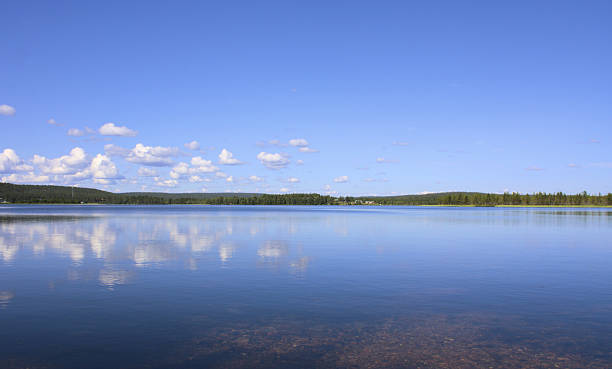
(329, 97)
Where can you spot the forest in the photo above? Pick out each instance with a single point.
(42, 194)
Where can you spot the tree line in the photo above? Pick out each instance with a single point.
(38, 194)
(491, 199)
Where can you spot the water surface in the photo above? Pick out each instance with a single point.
(355, 287)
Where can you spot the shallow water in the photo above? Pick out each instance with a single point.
(357, 287)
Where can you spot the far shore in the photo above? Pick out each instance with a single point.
(369, 205)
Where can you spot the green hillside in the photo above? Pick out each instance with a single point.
(41, 194)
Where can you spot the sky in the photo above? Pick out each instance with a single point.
(340, 98)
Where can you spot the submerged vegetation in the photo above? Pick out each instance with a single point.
(37, 194)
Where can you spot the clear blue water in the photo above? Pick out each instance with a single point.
(207, 286)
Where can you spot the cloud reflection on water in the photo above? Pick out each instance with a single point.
(117, 248)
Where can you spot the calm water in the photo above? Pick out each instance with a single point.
(223, 287)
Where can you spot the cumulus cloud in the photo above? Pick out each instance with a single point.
(193, 145)
(573, 165)
(103, 170)
(227, 158)
(273, 161)
(196, 179)
(298, 142)
(156, 156)
(25, 178)
(198, 165)
(255, 178)
(75, 132)
(7, 110)
(160, 182)
(147, 172)
(307, 149)
(401, 143)
(10, 162)
(202, 165)
(76, 166)
(341, 179)
(284, 189)
(229, 179)
(72, 163)
(110, 129)
(299, 162)
(293, 180)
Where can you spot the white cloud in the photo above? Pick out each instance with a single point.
(75, 132)
(25, 178)
(72, 163)
(383, 160)
(147, 172)
(293, 180)
(7, 110)
(254, 178)
(299, 162)
(198, 165)
(284, 189)
(52, 122)
(179, 170)
(10, 162)
(298, 142)
(307, 149)
(229, 179)
(156, 156)
(573, 165)
(102, 169)
(227, 158)
(203, 165)
(193, 145)
(401, 143)
(341, 179)
(166, 183)
(110, 129)
(273, 161)
(196, 179)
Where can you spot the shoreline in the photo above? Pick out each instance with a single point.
(346, 205)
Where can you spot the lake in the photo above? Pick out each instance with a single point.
(259, 287)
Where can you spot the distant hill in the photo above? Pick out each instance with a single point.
(67, 195)
(13, 193)
(420, 199)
